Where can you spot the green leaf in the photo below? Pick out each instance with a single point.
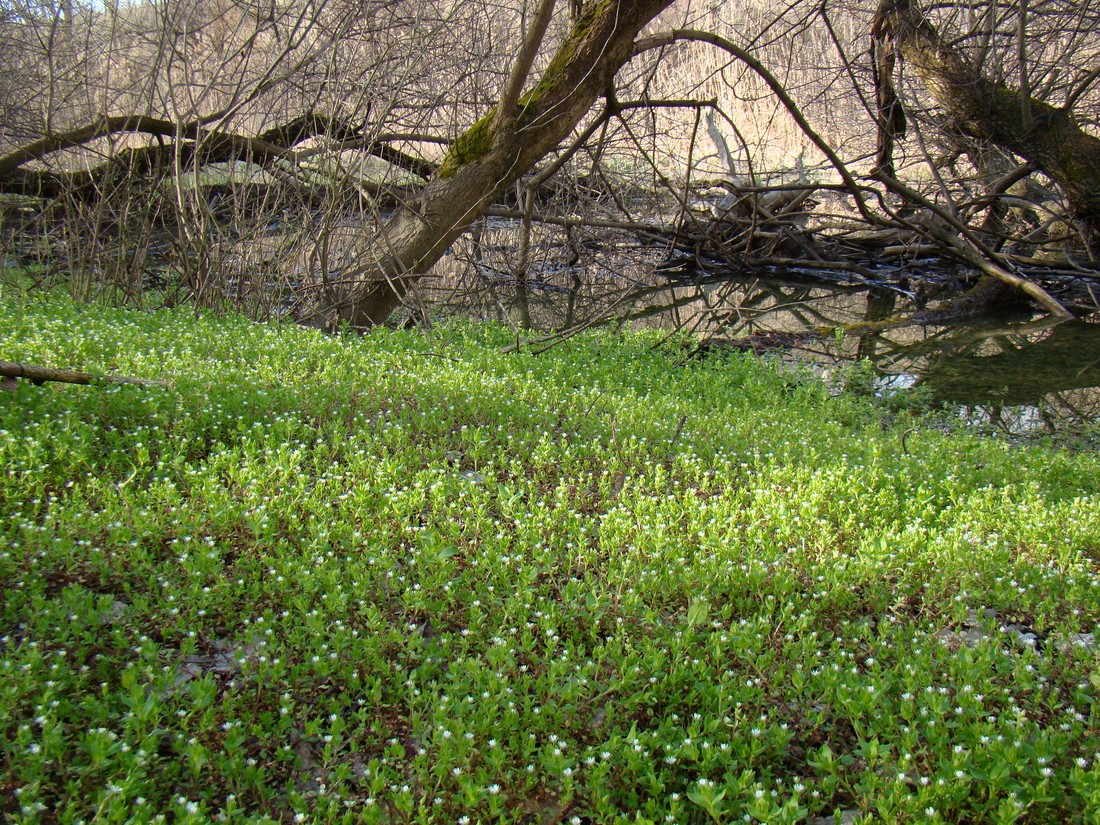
(448, 552)
(698, 611)
(708, 798)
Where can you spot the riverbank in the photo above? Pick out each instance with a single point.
(406, 577)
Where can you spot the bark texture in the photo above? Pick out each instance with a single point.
(491, 155)
(1046, 135)
(10, 371)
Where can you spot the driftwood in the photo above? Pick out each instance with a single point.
(9, 372)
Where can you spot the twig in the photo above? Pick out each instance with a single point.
(675, 438)
(39, 375)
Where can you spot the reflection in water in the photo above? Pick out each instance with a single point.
(1019, 367)
(1014, 373)
(1018, 375)
(1024, 380)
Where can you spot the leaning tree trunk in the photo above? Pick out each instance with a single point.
(1033, 129)
(489, 156)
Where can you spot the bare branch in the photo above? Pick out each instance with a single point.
(38, 375)
(664, 39)
(509, 96)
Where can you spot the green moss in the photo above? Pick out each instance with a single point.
(472, 144)
(565, 55)
(477, 141)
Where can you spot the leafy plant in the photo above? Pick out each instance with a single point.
(486, 587)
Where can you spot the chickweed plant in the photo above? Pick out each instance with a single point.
(406, 578)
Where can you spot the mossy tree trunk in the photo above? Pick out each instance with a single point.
(1046, 135)
(489, 156)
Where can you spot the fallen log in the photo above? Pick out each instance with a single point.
(10, 372)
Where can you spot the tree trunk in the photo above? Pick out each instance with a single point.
(1044, 134)
(491, 155)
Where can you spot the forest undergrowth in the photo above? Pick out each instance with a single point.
(404, 577)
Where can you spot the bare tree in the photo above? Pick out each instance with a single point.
(489, 156)
(307, 156)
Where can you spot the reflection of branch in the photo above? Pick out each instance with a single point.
(630, 226)
(608, 317)
(967, 338)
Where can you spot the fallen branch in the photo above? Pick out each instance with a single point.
(970, 248)
(38, 375)
(184, 143)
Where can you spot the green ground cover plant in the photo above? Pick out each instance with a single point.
(403, 577)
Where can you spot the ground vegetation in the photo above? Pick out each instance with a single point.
(412, 578)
